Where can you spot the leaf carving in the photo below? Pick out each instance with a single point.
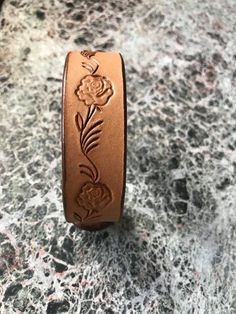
(86, 138)
(79, 121)
(87, 171)
(90, 129)
(91, 140)
(88, 54)
(90, 147)
(88, 67)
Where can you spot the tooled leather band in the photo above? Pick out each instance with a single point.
(93, 138)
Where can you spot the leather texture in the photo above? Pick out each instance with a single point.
(93, 138)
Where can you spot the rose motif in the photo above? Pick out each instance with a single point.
(94, 90)
(93, 197)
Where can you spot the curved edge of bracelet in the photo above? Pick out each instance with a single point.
(62, 133)
(125, 136)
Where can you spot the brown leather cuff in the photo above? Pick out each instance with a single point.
(93, 138)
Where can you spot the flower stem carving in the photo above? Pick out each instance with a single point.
(88, 141)
(94, 91)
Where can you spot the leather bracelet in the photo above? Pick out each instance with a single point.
(93, 138)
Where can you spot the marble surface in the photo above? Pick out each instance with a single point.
(174, 250)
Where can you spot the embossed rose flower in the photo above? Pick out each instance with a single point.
(94, 196)
(94, 90)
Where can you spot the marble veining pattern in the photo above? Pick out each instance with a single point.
(174, 250)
